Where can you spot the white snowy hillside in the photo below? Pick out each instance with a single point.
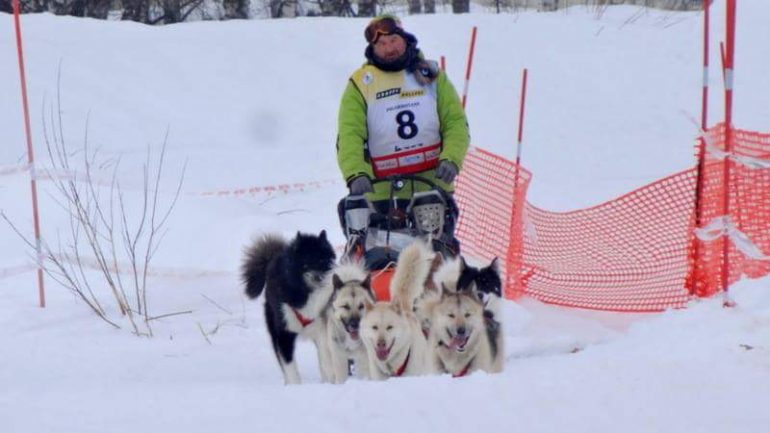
(248, 112)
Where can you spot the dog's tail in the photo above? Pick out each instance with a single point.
(348, 270)
(448, 274)
(412, 269)
(257, 258)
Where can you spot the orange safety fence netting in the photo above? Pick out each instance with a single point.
(749, 210)
(637, 252)
(488, 228)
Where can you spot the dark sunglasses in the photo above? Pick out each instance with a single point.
(383, 26)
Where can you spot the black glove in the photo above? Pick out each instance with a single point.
(360, 185)
(446, 171)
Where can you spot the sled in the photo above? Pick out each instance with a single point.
(376, 232)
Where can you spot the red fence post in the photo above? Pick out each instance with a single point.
(729, 65)
(30, 153)
(522, 103)
(703, 116)
(695, 265)
(516, 252)
(470, 64)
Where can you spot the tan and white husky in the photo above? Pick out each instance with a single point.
(351, 297)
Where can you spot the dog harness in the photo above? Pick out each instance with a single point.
(304, 321)
(402, 121)
(401, 369)
(464, 370)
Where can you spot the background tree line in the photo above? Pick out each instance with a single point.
(175, 11)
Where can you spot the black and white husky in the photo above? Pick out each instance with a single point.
(294, 276)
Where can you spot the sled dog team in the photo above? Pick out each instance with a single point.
(442, 316)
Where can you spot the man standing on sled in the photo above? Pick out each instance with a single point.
(400, 115)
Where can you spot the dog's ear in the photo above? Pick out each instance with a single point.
(463, 265)
(444, 290)
(398, 308)
(473, 291)
(322, 235)
(337, 282)
(493, 265)
(467, 287)
(367, 284)
(368, 306)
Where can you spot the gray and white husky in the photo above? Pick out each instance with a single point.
(459, 340)
(390, 331)
(351, 297)
(465, 332)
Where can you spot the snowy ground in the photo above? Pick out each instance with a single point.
(254, 103)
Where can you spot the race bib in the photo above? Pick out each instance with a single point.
(403, 124)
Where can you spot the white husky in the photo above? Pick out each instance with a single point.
(351, 297)
(390, 331)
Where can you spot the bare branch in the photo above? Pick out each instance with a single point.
(203, 333)
(169, 315)
(217, 305)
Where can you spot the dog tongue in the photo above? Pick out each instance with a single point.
(458, 342)
(353, 335)
(382, 353)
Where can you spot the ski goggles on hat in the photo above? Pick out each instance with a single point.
(386, 25)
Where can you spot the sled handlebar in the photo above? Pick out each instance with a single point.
(398, 182)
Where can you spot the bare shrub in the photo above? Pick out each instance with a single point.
(104, 235)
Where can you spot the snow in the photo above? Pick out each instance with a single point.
(254, 103)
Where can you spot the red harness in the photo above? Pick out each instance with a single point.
(401, 370)
(464, 371)
(304, 321)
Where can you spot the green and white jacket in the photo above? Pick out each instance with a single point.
(389, 124)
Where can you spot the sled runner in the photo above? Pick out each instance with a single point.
(376, 232)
